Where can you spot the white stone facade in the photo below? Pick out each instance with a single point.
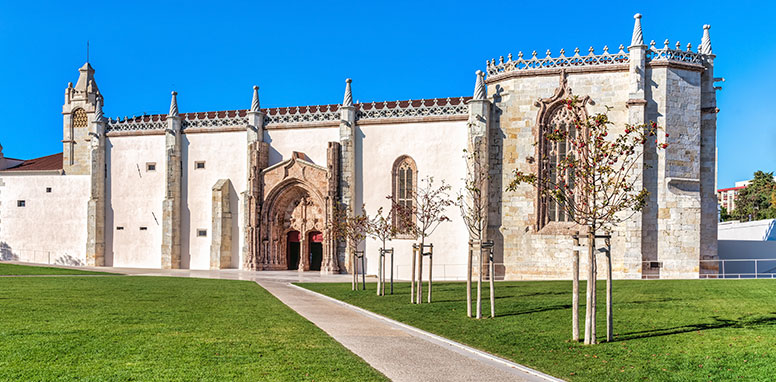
(212, 190)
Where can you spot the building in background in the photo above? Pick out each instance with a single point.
(726, 197)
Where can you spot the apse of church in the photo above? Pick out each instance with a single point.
(255, 188)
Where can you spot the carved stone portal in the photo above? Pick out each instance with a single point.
(295, 213)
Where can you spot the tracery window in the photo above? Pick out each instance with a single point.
(404, 174)
(555, 116)
(79, 118)
(560, 120)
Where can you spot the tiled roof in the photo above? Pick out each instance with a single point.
(50, 162)
(730, 188)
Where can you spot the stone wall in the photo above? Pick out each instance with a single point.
(526, 252)
(51, 227)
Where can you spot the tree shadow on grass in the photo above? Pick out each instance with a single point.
(639, 302)
(485, 299)
(534, 310)
(718, 323)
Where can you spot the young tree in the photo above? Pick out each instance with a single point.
(472, 200)
(381, 228)
(724, 215)
(754, 201)
(429, 203)
(595, 183)
(352, 228)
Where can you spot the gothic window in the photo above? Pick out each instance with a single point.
(555, 117)
(560, 120)
(405, 176)
(79, 118)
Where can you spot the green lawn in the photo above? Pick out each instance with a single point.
(18, 270)
(676, 330)
(157, 328)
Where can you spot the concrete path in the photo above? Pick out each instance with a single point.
(393, 348)
(399, 351)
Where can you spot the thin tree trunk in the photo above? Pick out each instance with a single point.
(492, 276)
(479, 282)
(382, 291)
(575, 292)
(609, 328)
(363, 271)
(354, 267)
(379, 271)
(412, 284)
(590, 306)
(430, 269)
(420, 272)
(469, 283)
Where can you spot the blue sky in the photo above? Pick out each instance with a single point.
(212, 53)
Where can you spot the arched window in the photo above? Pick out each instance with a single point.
(560, 120)
(404, 180)
(79, 118)
(555, 117)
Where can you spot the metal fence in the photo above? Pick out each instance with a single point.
(738, 269)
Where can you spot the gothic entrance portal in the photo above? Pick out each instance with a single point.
(293, 218)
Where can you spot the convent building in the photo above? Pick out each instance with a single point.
(255, 188)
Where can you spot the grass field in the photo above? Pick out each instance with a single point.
(19, 270)
(666, 330)
(156, 328)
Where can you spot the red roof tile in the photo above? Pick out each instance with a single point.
(51, 162)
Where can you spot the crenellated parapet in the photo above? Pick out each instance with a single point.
(666, 53)
(603, 61)
(412, 109)
(576, 60)
(298, 116)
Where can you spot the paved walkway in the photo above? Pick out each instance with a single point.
(401, 352)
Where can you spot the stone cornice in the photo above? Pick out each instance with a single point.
(556, 71)
(676, 65)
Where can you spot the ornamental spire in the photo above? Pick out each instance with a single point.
(348, 101)
(479, 86)
(174, 105)
(705, 47)
(638, 38)
(98, 115)
(255, 102)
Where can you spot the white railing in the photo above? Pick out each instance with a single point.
(738, 269)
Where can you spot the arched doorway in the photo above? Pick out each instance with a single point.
(315, 239)
(293, 246)
(299, 196)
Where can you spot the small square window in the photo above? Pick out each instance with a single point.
(150, 166)
(201, 232)
(119, 228)
(144, 228)
(20, 203)
(199, 165)
(48, 190)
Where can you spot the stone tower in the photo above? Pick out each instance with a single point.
(78, 112)
(83, 153)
